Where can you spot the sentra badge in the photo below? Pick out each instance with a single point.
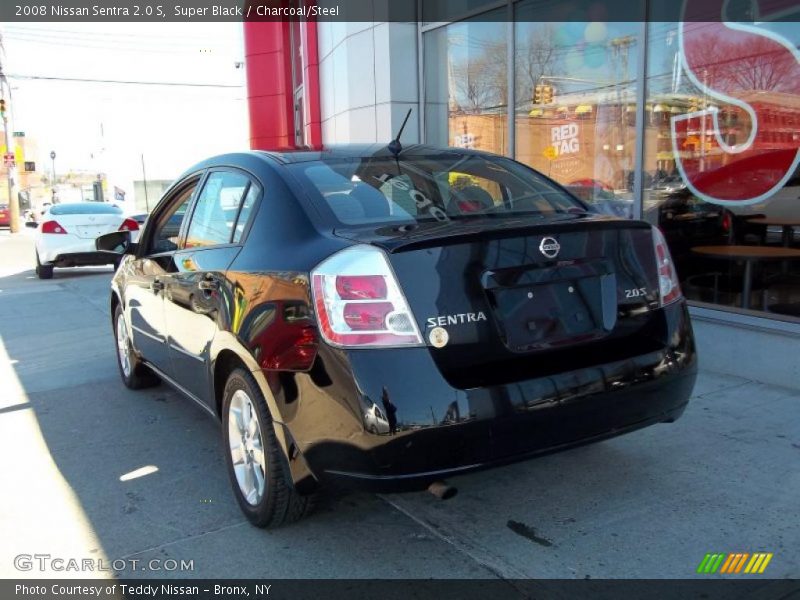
(457, 319)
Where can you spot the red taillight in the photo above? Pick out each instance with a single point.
(669, 288)
(129, 225)
(360, 287)
(52, 227)
(358, 301)
(726, 222)
(365, 316)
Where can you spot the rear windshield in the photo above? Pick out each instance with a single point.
(85, 208)
(421, 188)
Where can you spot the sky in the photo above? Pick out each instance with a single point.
(107, 127)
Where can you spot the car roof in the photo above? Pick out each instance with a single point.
(288, 156)
(350, 151)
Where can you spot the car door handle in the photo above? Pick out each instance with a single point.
(208, 284)
(157, 285)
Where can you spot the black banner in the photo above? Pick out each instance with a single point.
(480, 589)
(426, 11)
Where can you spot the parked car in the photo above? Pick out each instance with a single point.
(34, 216)
(352, 325)
(5, 216)
(140, 219)
(671, 185)
(602, 200)
(66, 235)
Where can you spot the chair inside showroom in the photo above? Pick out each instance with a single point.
(472, 198)
(346, 208)
(747, 233)
(373, 203)
(782, 296)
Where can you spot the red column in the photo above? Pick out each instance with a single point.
(312, 119)
(269, 84)
(270, 92)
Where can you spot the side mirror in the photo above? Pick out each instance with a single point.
(31, 224)
(116, 242)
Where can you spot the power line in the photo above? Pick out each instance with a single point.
(83, 80)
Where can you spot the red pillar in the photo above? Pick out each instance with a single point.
(312, 119)
(270, 89)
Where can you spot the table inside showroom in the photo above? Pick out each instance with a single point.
(748, 254)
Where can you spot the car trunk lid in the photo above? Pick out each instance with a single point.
(511, 294)
(90, 226)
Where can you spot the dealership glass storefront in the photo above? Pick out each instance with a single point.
(693, 126)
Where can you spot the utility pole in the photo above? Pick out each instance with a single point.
(144, 176)
(53, 163)
(11, 166)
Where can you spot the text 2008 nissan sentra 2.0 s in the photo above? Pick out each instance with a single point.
(385, 319)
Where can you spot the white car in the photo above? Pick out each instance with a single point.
(66, 234)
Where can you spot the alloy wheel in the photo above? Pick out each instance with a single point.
(246, 447)
(123, 346)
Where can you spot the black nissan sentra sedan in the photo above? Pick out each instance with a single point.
(385, 319)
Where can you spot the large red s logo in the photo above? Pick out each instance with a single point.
(749, 152)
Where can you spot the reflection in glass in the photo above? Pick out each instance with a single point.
(466, 86)
(721, 145)
(575, 87)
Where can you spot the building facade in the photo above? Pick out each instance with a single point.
(692, 125)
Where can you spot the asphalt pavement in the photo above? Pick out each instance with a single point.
(650, 504)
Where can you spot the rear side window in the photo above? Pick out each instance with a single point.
(442, 186)
(167, 233)
(215, 212)
(244, 214)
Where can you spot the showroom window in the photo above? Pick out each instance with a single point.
(575, 109)
(720, 164)
(466, 84)
(718, 108)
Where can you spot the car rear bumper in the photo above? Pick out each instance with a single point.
(415, 460)
(400, 426)
(74, 259)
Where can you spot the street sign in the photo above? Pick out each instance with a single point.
(9, 159)
(30, 166)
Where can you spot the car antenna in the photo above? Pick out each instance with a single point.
(394, 146)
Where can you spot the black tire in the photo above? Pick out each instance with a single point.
(139, 375)
(43, 271)
(280, 503)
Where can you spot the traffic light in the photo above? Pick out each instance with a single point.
(543, 94)
(2, 108)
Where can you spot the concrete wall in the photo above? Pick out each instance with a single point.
(761, 349)
(363, 100)
(155, 189)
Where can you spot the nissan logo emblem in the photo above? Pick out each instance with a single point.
(549, 247)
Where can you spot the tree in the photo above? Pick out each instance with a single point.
(537, 56)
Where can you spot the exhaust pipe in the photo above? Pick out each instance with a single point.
(442, 490)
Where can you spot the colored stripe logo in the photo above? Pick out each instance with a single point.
(734, 562)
